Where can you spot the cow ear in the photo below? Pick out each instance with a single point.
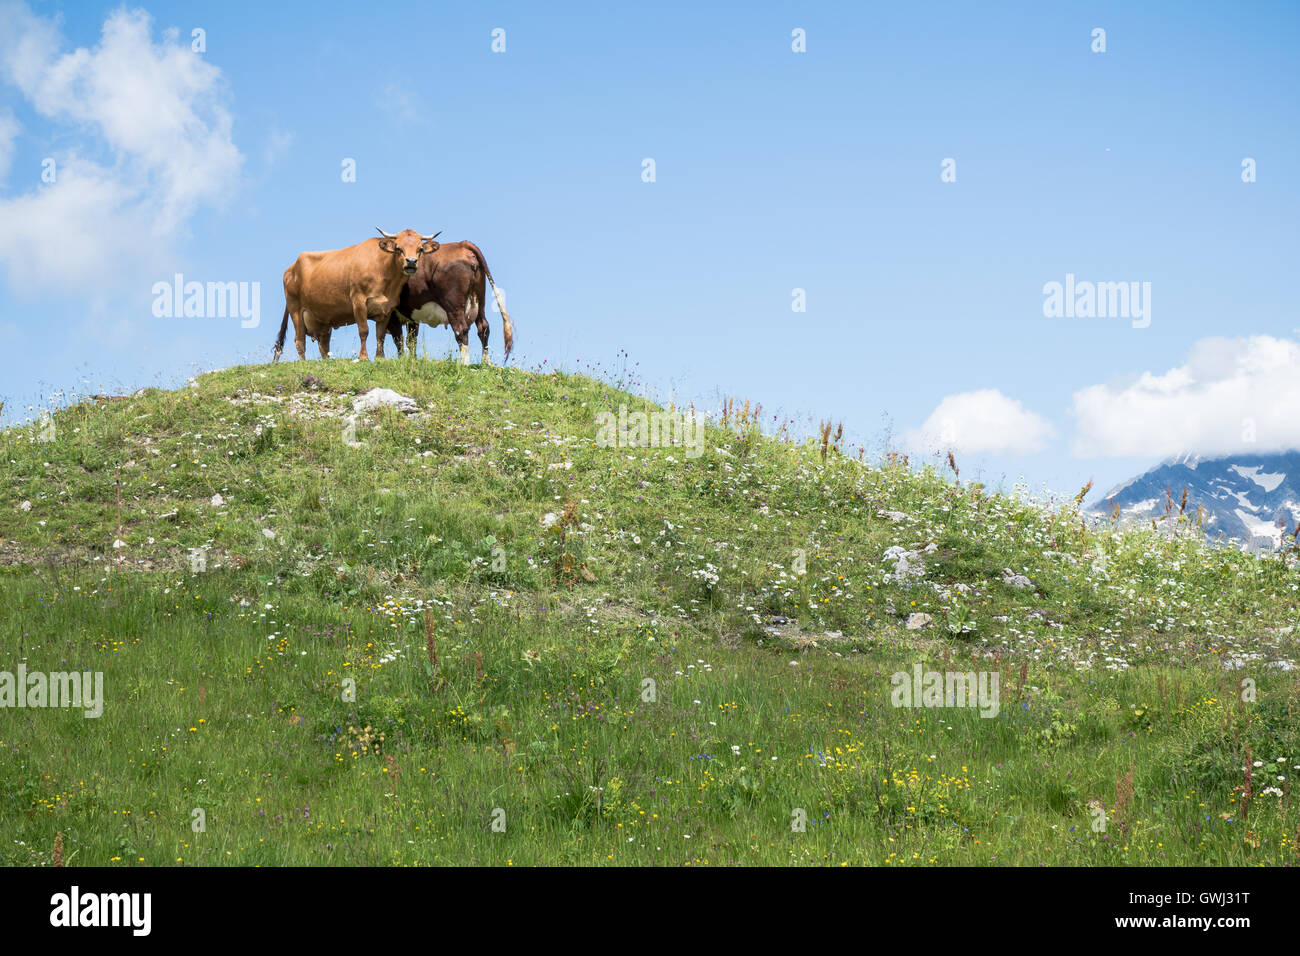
(388, 245)
(431, 246)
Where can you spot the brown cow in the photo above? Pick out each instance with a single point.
(447, 289)
(324, 291)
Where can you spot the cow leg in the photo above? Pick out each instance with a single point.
(395, 330)
(381, 333)
(482, 325)
(460, 326)
(363, 326)
(324, 341)
(412, 334)
(300, 334)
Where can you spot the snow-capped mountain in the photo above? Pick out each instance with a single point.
(1254, 499)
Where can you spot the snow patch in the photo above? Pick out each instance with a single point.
(1267, 482)
(1244, 500)
(1257, 528)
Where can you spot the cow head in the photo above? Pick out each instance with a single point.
(407, 246)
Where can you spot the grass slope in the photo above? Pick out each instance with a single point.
(619, 687)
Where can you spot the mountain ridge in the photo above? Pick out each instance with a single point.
(1249, 498)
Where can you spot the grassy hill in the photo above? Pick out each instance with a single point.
(384, 642)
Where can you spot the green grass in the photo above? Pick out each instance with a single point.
(612, 687)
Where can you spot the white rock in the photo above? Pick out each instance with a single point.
(916, 622)
(549, 519)
(378, 397)
(894, 516)
(267, 532)
(25, 506)
(217, 501)
(907, 564)
(1017, 581)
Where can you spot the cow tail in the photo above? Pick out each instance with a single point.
(501, 303)
(279, 342)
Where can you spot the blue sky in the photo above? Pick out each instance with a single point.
(774, 171)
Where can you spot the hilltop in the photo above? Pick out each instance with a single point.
(371, 636)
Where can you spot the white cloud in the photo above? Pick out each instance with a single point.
(398, 103)
(981, 422)
(278, 144)
(85, 203)
(1232, 395)
(153, 145)
(9, 130)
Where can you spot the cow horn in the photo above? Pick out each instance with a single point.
(384, 234)
(431, 238)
